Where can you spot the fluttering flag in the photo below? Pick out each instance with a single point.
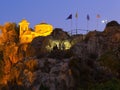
(69, 17)
(88, 17)
(76, 15)
(98, 16)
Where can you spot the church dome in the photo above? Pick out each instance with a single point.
(44, 29)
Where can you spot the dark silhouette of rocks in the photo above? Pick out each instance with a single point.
(59, 34)
(112, 23)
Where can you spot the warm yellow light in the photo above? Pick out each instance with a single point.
(43, 29)
(67, 44)
(24, 25)
(61, 45)
(26, 35)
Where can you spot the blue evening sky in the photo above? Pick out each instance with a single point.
(56, 11)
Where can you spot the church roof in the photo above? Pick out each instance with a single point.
(27, 32)
(42, 23)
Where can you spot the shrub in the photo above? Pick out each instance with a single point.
(42, 87)
(59, 54)
(110, 60)
(1, 68)
(113, 84)
(81, 72)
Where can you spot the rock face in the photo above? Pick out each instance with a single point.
(44, 45)
(59, 61)
(56, 76)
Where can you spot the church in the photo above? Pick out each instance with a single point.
(27, 35)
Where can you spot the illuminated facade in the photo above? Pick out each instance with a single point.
(43, 29)
(27, 35)
(24, 26)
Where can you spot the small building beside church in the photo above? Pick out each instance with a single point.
(26, 35)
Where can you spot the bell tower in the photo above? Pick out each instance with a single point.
(24, 26)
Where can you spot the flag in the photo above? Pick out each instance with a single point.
(76, 15)
(88, 17)
(69, 17)
(98, 16)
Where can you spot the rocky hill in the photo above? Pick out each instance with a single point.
(60, 61)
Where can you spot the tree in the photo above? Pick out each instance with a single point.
(10, 33)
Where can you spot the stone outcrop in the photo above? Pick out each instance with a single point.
(51, 73)
(60, 61)
(42, 46)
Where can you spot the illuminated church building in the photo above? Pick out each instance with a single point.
(27, 35)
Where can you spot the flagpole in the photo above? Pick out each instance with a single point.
(70, 17)
(97, 17)
(87, 25)
(97, 24)
(76, 22)
(88, 18)
(76, 25)
(71, 26)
